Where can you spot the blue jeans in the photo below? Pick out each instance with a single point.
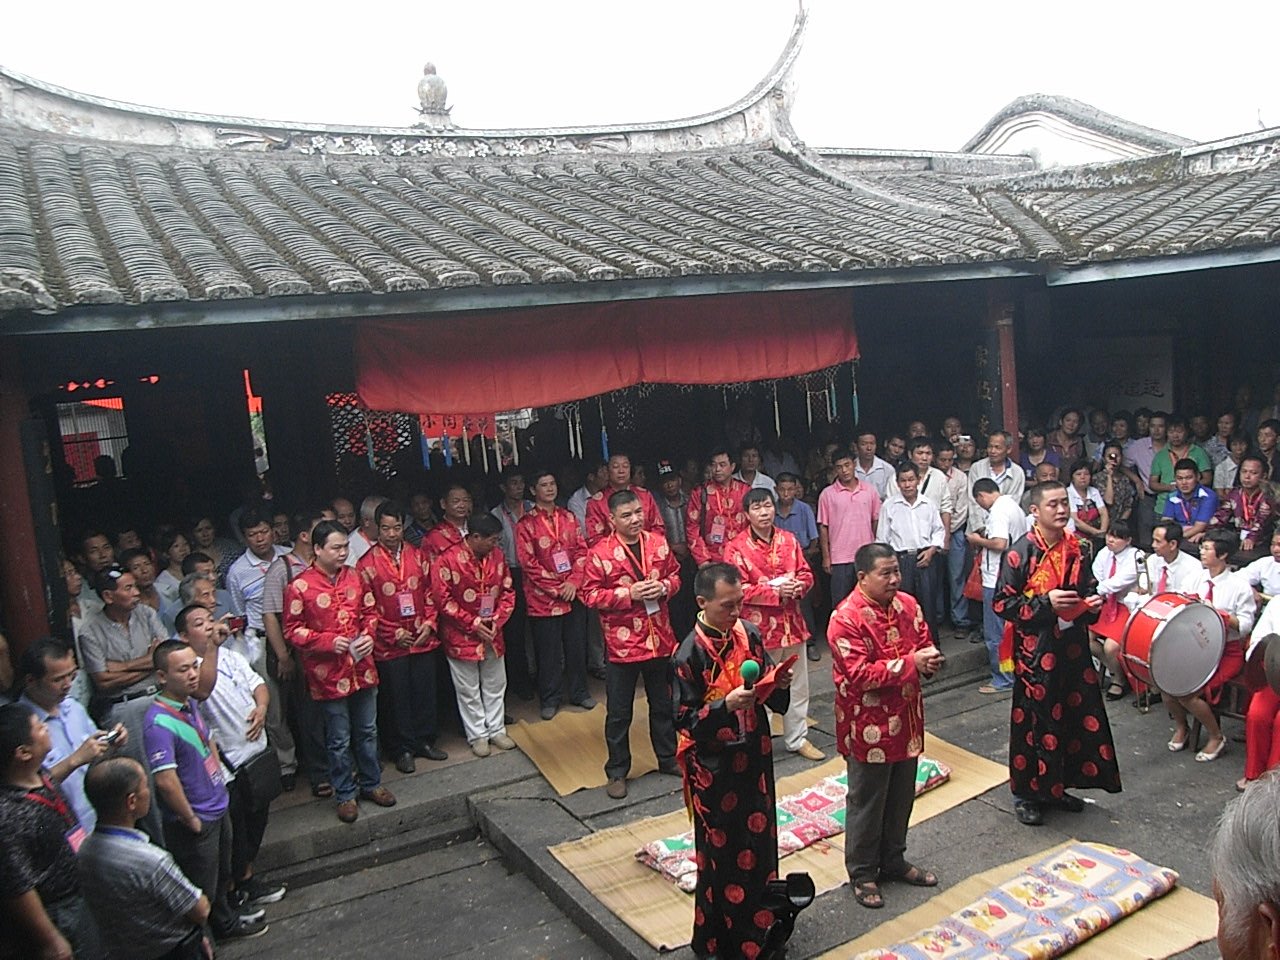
(992, 631)
(958, 573)
(351, 727)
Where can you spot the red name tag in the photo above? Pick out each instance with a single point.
(486, 606)
(561, 560)
(408, 607)
(75, 837)
(213, 768)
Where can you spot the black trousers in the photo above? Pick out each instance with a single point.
(513, 634)
(205, 858)
(620, 694)
(248, 824)
(924, 583)
(560, 647)
(407, 701)
(877, 810)
(304, 717)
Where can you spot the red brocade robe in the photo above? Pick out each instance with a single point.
(879, 705)
(711, 507)
(459, 583)
(391, 582)
(439, 539)
(1059, 736)
(730, 788)
(600, 521)
(540, 539)
(317, 612)
(780, 622)
(631, 634)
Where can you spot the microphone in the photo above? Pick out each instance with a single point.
(750, 673)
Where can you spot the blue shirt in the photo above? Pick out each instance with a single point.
(69, 728)
(1197, 508)
(800, 523)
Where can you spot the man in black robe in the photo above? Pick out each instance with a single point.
(726, 753)
(1059, 736)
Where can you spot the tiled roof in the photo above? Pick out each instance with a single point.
(92, 224)
(1083, 114)
(83, 224)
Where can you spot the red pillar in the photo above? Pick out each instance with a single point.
(1008, 372)
(26, 611)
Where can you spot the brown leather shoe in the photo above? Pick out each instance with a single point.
(617, 789)
(348, 810)
(379, 795)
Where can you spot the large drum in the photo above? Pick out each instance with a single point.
(1174, 643)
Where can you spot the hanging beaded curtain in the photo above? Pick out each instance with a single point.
(377, 437)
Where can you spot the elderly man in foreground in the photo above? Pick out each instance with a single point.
(1246, 873)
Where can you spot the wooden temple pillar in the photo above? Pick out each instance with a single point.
(24, 466)
(997, 368)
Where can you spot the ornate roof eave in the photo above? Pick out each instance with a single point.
(44, 108)
(1083, 115)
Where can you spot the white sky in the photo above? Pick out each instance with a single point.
(909, 75)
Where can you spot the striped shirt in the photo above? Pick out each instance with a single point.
(136, 892)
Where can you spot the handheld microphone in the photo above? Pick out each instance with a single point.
(750, 672)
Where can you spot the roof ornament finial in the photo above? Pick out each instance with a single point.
(433, 94)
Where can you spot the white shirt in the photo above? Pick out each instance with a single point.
(1264, 575)
(578, 507)
(1231, 594)
(759, 482)
(1077, 501)
(1224, 474)
(933, 487)
(1126, 573)
(1007, 522)
(880, 475)
(357, 547)
(1184, 573)
(244, 584)
(1012, 483)
(958, 484)
(227, 709)
(910, 526)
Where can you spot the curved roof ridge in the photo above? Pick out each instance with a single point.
(771, 81)
(1084, 114)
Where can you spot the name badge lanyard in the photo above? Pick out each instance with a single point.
(559, 555)
(639, 568)
(74, 834)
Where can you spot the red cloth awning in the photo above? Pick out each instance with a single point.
(504, 360)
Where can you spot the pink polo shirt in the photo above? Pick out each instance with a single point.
(850, 518)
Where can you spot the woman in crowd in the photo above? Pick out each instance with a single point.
(1066, 441)
(1118, 492)
(1088, 509)
(172, 547)
(1037, 452)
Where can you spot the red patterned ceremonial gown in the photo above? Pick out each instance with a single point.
(391, 581)
(780, 622)
(459, 581)
(317, 611)
(631, 633)
(711, 506)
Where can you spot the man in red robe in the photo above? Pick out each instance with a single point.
(881, 647)
(330, 619)
(714, 515)
(552, 555)
(456, 505)
(775, 576)
(599, 523)
(629, 578)
(474, 598)
(405, 641)
(1059, 736)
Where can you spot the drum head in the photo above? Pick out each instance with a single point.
(1187, 649)
(1271, 660)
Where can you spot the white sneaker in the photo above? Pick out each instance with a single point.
(502, 742)
(480, 748)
